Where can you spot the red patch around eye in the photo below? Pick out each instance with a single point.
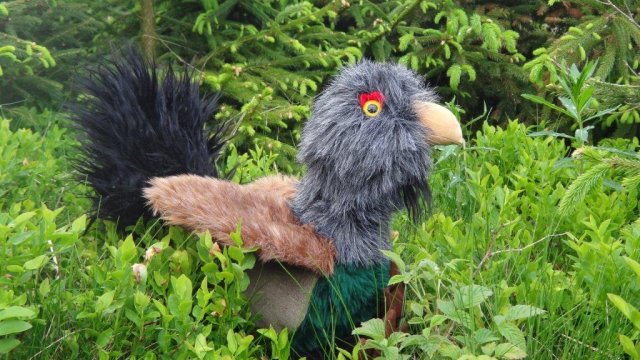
(374, 95)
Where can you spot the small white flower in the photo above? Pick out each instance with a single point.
(140, 272)
(151, 252)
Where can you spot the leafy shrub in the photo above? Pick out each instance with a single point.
(497, 229)
(35, 168)
(609, 31)
(496, 271)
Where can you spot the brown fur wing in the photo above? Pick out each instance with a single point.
(203, 203)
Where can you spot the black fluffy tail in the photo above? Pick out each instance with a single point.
(135, 127)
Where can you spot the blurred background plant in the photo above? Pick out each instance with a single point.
(269, 58)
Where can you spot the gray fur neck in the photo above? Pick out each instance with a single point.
(361, 169)
(358, 226)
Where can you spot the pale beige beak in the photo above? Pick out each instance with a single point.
(444, 128)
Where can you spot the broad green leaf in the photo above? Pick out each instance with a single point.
(79, 224)
(16, 312)
(450, 350)
(583, 134)
(373, 329)
(634, 265)
(470, 296)
(104, 301)
(396, 260)
(44, 288)
(518, 312)
(182, 286)
(460, 316)
(236, 253)
(15, 268)
(127, 251)
(628, 310)
(629, 347)
(509, 351)
(18, 220)
(200, 346)
(21, 237)
(232, 344)
(512, 333)
(13, 326)
(483, 336)
(141, 301)
(489, 348)
(36, 263)
(8, 344)
(104, 338)
(395, 279)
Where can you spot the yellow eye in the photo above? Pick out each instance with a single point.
(371, 108)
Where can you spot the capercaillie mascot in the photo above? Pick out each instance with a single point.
(149, 142)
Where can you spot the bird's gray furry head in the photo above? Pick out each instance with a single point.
(368, 154)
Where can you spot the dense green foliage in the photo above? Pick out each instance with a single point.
(497, 263)
(532, 246)
(268, 58)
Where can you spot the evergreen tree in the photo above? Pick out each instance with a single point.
(609, 31)
(43, 44)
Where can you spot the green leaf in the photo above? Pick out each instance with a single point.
(509, 351)
(182, 286)
(628, 347)
(36, 263)
(79, 224)
(236, 254)
(200, 346)
(396, 259)
(16, 312)
(512, 333)
(569, 106)
(8, 344)
(550, 133)
(13, 326)
(21, 237)
(470, 296)
(104, 301)
(18, 220)
(518, 312)
(634, 265)
(104, 338)
(373, 329)
(15, 268)
(542, 101)
(483, 336)
(628, 310)
(127, 252)
(458, 315)
(601, 113)
(141, 301)
(44, 288)
(583, 134)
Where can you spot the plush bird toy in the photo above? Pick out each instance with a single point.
(149, 144)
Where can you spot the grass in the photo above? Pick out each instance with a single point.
(494, 270)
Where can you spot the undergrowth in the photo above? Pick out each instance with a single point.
(495, 270)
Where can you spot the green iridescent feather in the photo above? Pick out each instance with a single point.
(339, 304)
